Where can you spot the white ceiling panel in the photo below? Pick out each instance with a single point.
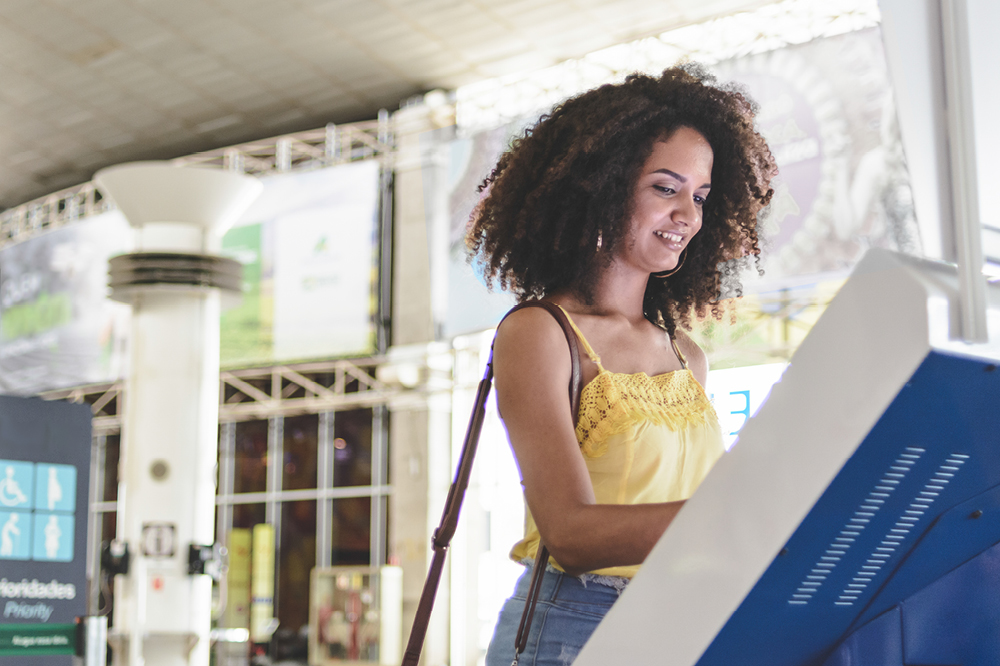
(85, 84)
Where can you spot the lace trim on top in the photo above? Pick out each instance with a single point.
(614, 402)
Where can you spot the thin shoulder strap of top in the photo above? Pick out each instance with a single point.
(677, 350)
(586, 345)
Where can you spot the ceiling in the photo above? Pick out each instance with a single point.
(89, 83)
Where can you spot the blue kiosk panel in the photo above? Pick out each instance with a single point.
(919, 498)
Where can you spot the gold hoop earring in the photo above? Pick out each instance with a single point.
(666, 274)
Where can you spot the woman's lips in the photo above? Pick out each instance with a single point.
(674, 240)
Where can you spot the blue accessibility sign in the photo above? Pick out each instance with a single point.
(55, 487)
(43, 529)
(44, 481)
(16, 484)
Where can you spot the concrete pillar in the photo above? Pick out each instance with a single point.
(420, 432)
(166, 500)
(420, 219)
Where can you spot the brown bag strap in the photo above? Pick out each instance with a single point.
(576, 374)
(449, 520)
(456, 494)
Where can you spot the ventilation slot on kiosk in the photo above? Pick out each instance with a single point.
(850, 532)
(912, 514)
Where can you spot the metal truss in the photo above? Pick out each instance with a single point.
(105, 402)
(50, 212)
(312, 149)
(301, 389)
(258, 393)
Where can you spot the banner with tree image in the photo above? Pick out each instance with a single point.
(309, 252)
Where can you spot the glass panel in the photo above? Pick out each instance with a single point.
(301, 439)
(220, 462)
(296, 559)
(106, 602)
(384, 501)
(112, 452)
(248, 515)
(352, 448)
(352, 521)
(108, 525)
(251, 458)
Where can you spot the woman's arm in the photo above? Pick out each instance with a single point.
(532, 369)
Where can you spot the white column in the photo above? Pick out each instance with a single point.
(169, 443)
(940, 55)
(419, 432)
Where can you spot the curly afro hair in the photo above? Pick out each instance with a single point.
(556, 206)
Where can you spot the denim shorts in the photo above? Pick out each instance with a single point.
(567, 612)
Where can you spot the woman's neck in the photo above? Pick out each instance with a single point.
(615, 293)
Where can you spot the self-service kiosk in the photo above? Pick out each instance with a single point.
(857, 518)
(856, 521)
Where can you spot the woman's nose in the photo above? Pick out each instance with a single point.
(686, 210)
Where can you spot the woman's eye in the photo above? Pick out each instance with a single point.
(665, 189)
(700, 200)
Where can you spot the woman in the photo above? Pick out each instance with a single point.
(621, 207)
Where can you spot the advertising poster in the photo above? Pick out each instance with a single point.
(57, 326)
(827, 111)
(44, 479)
(309, 252)
(237, 613)
(246, 327)
(262, 620)
(355, 616)
(828, 114)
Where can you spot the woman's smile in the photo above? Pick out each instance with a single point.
(674, 240)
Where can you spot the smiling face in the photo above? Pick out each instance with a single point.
(668, 201)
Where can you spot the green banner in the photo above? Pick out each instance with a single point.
(247, 329)
(40, 639)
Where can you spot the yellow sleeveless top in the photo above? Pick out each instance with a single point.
(644, 440)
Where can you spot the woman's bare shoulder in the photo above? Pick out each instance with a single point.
(531, 365)
(531, 332)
